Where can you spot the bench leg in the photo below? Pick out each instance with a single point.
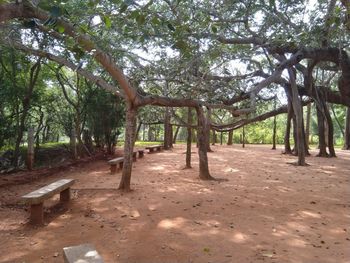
(151, 150)
(140, 154)
(65, 195)
(113, 168)
(37, 214)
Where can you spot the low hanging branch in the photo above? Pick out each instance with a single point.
(262, 117)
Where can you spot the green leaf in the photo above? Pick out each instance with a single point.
(141, 19)
(123, 8)
(171, 27)
(60, 29)
(155, 21)
(107, 21)
(181, 44)
(214, 29)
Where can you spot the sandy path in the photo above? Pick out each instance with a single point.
(267, 211)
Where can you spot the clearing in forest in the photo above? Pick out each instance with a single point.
(267, 211)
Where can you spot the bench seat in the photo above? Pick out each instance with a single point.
(154, 147)
(85, 253)
(36, 198)
(116, 164)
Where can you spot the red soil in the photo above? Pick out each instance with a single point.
(267, 211)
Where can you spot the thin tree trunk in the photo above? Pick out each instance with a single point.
(171, 136)
(143, 132)
(30, 149)
(274, 126)
(221, 137)
(207, 130)
(297, 108)
(138, 131)
(330, 138)
(176, 133)
(202, 135)
(130, 128)
(321, 134)
(243, 137)
(167, 127)
(307, 129)
(214, 137)
(287, 148)
(189, 138)
(73, 144)
(230, 138)
(26, 102)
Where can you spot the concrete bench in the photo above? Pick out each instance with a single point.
(85, 253)
(116, 164)
(36, 198)
(154, 147)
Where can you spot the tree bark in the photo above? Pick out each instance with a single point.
(207, 130)
(243, 137)
(214, 139)
(321, 135)
(230, 138)
(176, 133)
(167, 127)
(297, 108)
(130, 127)
(287, 148)
(347, 130)
(330, 134)
(26, 103)
(30, 149)
(307, 129)
(202, 135)
(189, 138)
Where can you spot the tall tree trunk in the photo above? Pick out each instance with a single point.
(243, 137)
(274, 126)
(202, 134)
(221, 137)
(189, 138)
(207, 130)
(138, 131)
(347, 130)
(167, 132)
(230, 138)
(321, 134)
(26, 102)
(171, 136)
(30, 149)
(287, 148)
(143, 132)
(297, 108)
(330, 133)
(214, 137)
(274, 134)
(73, 144)
(176, 133)
(307, 129)
(130, 127)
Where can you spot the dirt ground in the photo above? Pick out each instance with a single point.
(267, 211)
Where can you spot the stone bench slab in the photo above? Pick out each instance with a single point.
(85, 253)
(116, 160)
(40, 195)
